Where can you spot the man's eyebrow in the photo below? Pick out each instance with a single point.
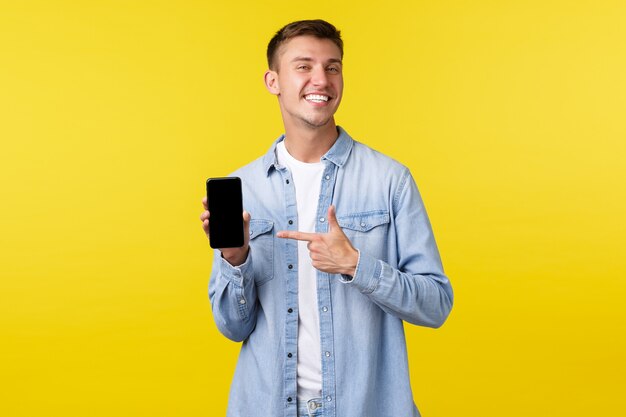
(309, 59)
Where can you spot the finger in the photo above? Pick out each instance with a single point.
(332, 219)
(204, 203)
(246, 227)
(285, 234)
(205, 215)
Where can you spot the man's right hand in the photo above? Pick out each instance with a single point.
(234, 256)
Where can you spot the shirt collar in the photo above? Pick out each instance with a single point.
(337, 154)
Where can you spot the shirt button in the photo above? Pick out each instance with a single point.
(322, 219)
(290, 221)
(289, 399)
(327, 177)
(328, 354)
(324, 309)
(328, 398)
(289, 355)
(242, 301)
(287, 181)
(290, 266)
(290, 310)
(362, 224)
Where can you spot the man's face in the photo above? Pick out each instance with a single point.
(308, 81)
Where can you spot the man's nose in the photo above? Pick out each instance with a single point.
(319, 77)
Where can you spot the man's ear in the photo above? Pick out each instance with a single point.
(271, 82)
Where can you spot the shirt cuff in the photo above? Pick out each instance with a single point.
(235, 274)
(367, 274)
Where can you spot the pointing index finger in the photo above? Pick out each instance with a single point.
(288, 234)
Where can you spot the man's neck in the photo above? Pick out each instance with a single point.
(309, 145)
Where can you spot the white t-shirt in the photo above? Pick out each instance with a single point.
(307, 179)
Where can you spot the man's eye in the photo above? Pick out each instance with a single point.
(333, 69)
(303, 67)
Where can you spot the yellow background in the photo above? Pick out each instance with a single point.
(510, 114)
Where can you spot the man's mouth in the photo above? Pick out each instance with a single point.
(317, 98)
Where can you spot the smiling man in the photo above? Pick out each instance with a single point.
(338, 253)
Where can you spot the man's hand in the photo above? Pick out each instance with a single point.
(234, 256)
(330, 252)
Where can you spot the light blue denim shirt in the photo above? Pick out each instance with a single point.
(399, 277)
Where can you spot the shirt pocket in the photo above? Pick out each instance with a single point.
(262, 250)
(367, 230)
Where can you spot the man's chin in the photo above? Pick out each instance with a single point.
(317, 123)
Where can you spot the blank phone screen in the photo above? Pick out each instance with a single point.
(225, 208)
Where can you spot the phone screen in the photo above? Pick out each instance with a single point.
(225, 208)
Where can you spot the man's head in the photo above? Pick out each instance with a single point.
(317, 28)
(305, 73)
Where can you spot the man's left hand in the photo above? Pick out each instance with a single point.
(330, 252)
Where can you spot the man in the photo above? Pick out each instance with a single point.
(338, 252)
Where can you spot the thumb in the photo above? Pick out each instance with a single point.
(333, 224)
(246, 227)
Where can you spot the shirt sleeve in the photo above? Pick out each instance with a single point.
(233, 297)
(417, 291)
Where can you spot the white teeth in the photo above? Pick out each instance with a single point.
(317, 98)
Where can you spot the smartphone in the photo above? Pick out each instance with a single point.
(225, 204)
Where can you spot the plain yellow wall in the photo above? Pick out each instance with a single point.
(510, 114)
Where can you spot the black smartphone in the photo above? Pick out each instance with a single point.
(224, 200)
